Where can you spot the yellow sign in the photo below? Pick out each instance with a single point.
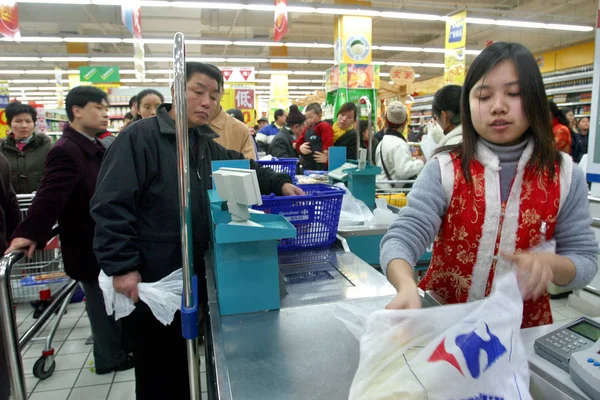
(456, 39)
(569, 57)
(352, 39)
(279, 94)
(4, 99)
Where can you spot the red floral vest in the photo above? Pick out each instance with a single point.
(463, 262)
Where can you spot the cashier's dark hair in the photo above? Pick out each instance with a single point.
(535, 107)
(209, 70)
(15, 108)
(81, 96)
(349, 106)
(447, 99)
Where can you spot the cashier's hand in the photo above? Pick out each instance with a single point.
(305, 148)
(408, 297)
(290, 190)
(534, 272)
(128, 285)
(22, 244)
(321, 157)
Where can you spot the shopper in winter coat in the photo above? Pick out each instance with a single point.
(393, 154)
(583, 135)
(137, 217)
(25, 150)
(266, 135)
(148, 101)
(560, 129)
(316, 139)
(233, 134)
(282, 145)
(11, 216)
(344, 133)
(446, 113)
(64, 195)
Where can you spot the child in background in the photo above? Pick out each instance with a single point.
(316, 138)
(490, 201)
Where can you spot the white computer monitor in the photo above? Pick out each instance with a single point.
(239, 188)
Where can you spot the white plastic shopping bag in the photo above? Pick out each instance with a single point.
(459, 352)
(162, 297)
(354, 211)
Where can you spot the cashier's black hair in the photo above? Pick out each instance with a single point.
(535, 107)
(15, 108)
(209, 70)
(447, 99)
(81, 96)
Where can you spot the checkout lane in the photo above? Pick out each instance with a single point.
(303, 351)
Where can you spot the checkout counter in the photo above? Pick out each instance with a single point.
(302, 351)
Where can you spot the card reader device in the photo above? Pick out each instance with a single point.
(575, 348)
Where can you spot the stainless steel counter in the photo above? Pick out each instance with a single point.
(301, 351)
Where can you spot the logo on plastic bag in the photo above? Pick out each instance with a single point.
(471, 346)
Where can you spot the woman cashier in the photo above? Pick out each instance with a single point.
(498, 200)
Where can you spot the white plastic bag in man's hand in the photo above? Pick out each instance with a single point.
(459, 352)
(163, 297)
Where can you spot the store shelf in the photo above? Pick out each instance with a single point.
(119, 104)
(423, 107)
(53, 133)
(579, 103)
(116, 117)
(419, 116)
(424, 99)
(57, 119)
(569, 89)
(582, 115)
(569, 77)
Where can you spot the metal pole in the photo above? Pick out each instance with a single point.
(181, 129)
(9, 328)
(357, 128)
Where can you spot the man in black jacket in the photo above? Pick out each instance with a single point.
(282, 144)
(137, 221)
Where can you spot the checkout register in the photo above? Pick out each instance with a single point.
(575, 348)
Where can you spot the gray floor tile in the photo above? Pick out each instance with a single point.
(99, 392)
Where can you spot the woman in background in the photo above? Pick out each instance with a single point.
(25, 150)
(148, 101)
(560, 129)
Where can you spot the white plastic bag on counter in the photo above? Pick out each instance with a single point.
(354, 212)
(459, 352)
(162, 297)
(382, 215)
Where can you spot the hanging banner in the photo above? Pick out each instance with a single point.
(456, 39)
(244, 98)
(352, 37)
(281, 20)
(138, 60)
(4, 128)
(9, 19)
(241, 74)
(131, 15)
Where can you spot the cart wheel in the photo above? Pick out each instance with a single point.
(40, 371)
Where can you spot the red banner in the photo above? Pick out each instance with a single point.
(131, 16)
(9, 20)
(244, 98)
(281, 20)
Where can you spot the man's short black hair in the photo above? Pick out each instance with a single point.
(81, 96)
(15, 108)
(279, 113)
(209, 70)
(132, 101)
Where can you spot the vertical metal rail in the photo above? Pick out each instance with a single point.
(12, 351)
(357, 129)
(190, 298)
(369, 128)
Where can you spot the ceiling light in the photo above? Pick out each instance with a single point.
(32, 81)
(288, 61)
(159, 71)
(474, 52)
(153, 3)
(348, 11)
(107, 2)
(56, 1)
(65, 59)
(127, 80)
(158, 59)
(301, 9)
(206, 59)
(11, 72)
(40, 39)
(403, 63)
(403, 15)
(433, 50)
(565, 27)
(273, 71)
(433, 65)
(310, 45)
(400, 48)
(111, 59)
(298, 80)
(261, 44)
(308, 72)
(209, 42)
(149, 41)
(247, 60)
(260, 7)
(520, 24)
(92, 40)
(218, 6)
(19, 58)
(326, 62)
(384, 74)
(162, 80)
(417, 75)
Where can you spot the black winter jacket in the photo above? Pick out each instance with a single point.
(348, 140)
(27, 166)
(136, 206)
(281, 146)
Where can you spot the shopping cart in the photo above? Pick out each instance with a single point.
(23, 279)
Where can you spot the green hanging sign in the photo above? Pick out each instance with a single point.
(99, 74)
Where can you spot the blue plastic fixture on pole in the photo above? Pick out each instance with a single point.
(189, 309)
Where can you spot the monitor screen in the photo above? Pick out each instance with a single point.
(586, 330)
